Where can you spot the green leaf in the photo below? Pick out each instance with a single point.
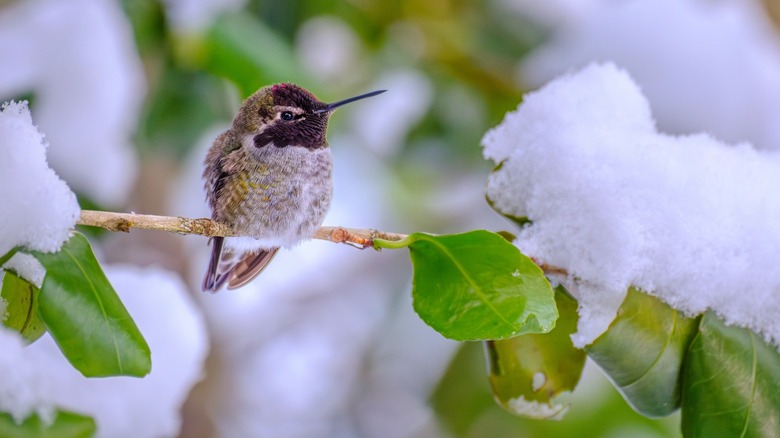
(528, 372)
(642, 352)
(86, 317)
(477, 286)
(21, 299)
(731, 383)
(65, 425)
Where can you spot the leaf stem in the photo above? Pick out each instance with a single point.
(405, 241)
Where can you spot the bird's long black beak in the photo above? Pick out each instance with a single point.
(332, 106)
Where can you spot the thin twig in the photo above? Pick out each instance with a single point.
(357, 237)
(361, 238)
(551, 270)
(125, 221)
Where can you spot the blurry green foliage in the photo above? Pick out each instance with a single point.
(465, 405)
(250, 54)
(468, 50)
(184, 105)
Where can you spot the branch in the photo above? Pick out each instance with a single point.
(123, 222)
(360, 238)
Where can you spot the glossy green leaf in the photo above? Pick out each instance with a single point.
(731, 383)
(21, 300)
(65, 425)
(86, 317)
(528, 372)
(642, 352)
(477, 286)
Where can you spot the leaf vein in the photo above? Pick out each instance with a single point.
(660, 354)
(473, 284)
(752, 385)
(28, 318)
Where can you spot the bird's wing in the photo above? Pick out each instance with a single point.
(214, 174)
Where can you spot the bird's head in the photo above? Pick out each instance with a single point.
(284, 115)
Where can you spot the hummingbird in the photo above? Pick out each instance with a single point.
(270, 179)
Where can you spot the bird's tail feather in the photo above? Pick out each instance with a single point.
(235, 269)
(211, 280)
(249, 267)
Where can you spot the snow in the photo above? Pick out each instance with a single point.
(78, 58)
(539, 379)
(25, 382)
(39, 210)
(27, 267)
(615, 203)
(704, 65)
(41, 378)
(534, 409)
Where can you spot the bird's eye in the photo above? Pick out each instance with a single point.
(287, 115)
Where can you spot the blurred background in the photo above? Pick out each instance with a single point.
(130, 93)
